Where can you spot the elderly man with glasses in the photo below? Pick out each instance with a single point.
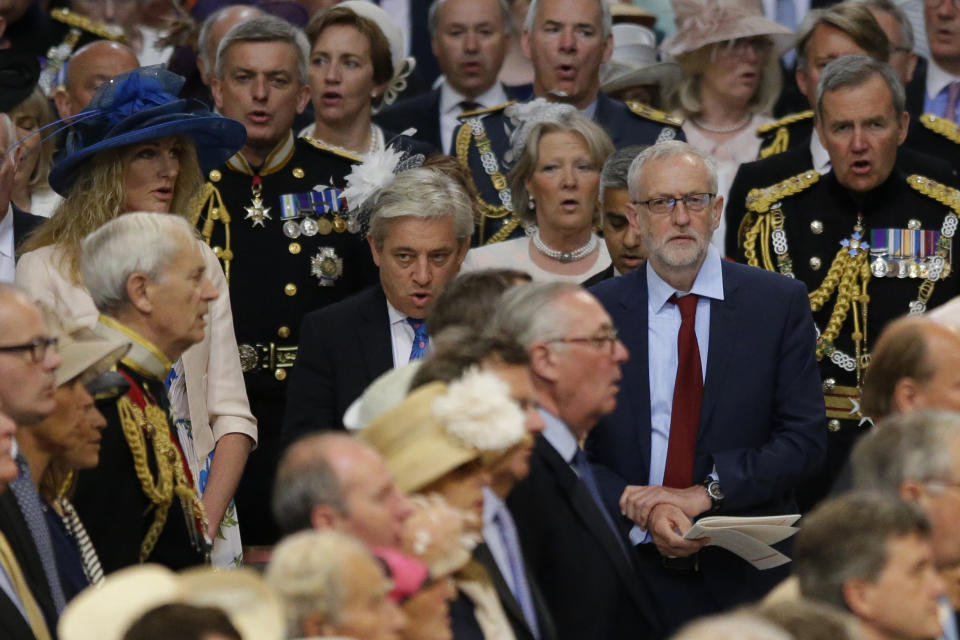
(719, 409)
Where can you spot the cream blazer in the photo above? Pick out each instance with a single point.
(216, 394)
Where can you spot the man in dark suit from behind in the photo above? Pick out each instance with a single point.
(720, 408)
(469, 39)
(419, 233)
(578, 554)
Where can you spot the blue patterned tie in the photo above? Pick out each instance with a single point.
(521, 588)
(420, 338)
(29, 502)
(586, 474)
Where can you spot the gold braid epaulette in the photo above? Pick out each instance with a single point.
(648, 112)
(758, 220)
(784, 121)
(171, 479)
(343, 153)
(83, 22)
(487, 210)
(781, 137)
(940, 192)
(210, 207)
(941, 126)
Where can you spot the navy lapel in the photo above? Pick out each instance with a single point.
(589, 514)
(723, 334)
(632, 323)
(374, 332)
(433, 131)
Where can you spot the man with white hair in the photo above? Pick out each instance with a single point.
(420, 231)
(719, 409)
(567, 41)
(147, 276)
(331, 585)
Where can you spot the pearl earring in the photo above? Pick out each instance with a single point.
(531, 204)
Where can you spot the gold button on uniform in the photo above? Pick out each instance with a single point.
(833, 425)
(280, 374)
(283, 332)
(816, 226)
(913, 224)
(297, 172)
(290, 289)
(815, 263)
(294, 248)
(215, 176)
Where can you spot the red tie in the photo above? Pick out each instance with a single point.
(687, 397)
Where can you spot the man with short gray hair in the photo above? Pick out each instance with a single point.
(717, 349)
(870, 554)
(420, 230)
(865, 205)
(147, 276)
(469, 39)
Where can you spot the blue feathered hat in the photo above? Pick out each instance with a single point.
(142, 105)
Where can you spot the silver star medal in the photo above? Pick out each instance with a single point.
(326, 266)
(258, 213)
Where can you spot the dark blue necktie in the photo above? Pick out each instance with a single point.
(586, 474)
(420, 338)
(29, 502)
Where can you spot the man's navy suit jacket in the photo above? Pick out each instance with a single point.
(762, 424)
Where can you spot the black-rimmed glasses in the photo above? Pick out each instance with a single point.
(692, 202)
(37, 348)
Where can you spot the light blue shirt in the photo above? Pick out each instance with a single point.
(663, 325)
(492, 505)
(560, 437)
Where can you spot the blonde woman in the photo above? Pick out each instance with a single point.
(31, 192)
(144, 151)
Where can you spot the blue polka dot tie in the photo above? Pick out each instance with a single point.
(420, 338)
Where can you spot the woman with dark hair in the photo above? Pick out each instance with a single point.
(137, 147)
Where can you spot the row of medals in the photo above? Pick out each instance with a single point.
(887, 266)
(310, 226)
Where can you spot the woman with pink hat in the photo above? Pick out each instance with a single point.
(731, 78)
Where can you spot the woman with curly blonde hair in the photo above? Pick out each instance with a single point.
(137, 147)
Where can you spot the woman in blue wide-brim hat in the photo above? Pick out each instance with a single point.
(138, 147)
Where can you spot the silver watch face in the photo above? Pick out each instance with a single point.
(713, 490)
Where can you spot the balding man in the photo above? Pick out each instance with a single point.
(212, 31)
(88, 68)
(334, 481)
(913, 367)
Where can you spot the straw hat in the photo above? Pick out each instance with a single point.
(625, 13)
(142, 105)
(107, 610)
(703, 22)
(634, 61)
(414, 444)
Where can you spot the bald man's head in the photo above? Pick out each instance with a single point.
(214, 28)
(913, 366)
(88, 68)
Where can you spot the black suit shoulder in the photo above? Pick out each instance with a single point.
(14, 528)
(24, 224)
(421, 112)
(600, 276)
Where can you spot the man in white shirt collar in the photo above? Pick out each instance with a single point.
(943, 34)
(469, 39)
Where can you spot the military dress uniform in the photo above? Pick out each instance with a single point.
(139, 504)
(71, 31)
(482, 144)
(282, 235)
(785, 133)
(866, 259)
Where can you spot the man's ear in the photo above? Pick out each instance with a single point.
(525, 43)
(374, 251)
(857, 595)
(138, 291)
(543, 362)
(323, 517)
(303, 98)
(63, 103)
(906, 394)
(216, 90)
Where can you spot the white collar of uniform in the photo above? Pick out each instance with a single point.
(450, 98)
(821, 158)
(6, 234)
(937, 79)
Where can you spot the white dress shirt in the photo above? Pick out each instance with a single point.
(450, 109)
(401, 336)
(819, 153)
(7, 264)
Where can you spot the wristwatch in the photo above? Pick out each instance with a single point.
(714, 493)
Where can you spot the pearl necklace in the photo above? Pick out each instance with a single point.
(728, 129)
(376, 142)
(564, 256)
